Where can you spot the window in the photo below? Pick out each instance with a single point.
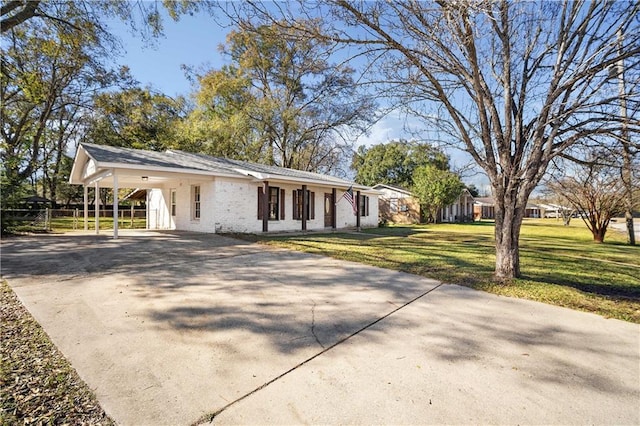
(364, 205)
(173, 202)
(275, 203)
(298, 200)
(393, 205)
(195, 206)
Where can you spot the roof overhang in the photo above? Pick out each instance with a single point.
(392, 188)
(261, 177)
(87, 170)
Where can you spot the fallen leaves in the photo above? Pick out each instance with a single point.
(37, 384)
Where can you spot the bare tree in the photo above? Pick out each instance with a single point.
(628, 152)
(593, 189)
(514, 83)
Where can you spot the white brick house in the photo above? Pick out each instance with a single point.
(196, 192)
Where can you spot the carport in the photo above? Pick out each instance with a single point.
(123, 171)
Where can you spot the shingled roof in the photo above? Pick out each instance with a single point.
(179, 161)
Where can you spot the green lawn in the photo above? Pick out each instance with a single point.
(66, 223)
(560, 265)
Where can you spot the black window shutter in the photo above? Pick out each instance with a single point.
(282, 204)
(295, 204)
(312, 205)
(260, 202)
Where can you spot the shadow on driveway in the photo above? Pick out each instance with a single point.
(170, 326)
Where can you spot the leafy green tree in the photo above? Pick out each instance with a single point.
(47, 73)
(65, 193)
(56, 55)
(435, 188)
(282, 99)
(395, 162)
(135, 118)
(142, 15)
(220, 124)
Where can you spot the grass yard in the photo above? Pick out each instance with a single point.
(66, 223)
(560, 265)
(59, 224)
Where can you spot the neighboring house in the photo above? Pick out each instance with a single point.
(195, 192)
(554, 210)
(397, 205)
(534, 211)
(484, 208)
(460, 211)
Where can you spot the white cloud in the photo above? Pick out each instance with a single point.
(386, 129)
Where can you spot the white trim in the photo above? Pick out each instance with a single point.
(162, 169)
(97, 177)
(86, 207)
(115, 206)
(96, 207)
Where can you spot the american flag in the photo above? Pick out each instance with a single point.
(348, 195)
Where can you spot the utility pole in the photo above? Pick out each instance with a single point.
(625, 173)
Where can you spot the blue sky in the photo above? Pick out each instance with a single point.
(193, 41)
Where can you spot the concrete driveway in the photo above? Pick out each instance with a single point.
(168, 328)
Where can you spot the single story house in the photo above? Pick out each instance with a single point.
(460, 210)
(196, 192)
(397, 205)
(484, 208)
(554, 210)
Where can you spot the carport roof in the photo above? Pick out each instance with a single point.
(142, 162)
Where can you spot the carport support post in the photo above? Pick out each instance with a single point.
(265, 206)
(86, 207)
(305, 201)
(96, 207)
(358, 210)
(116, 217)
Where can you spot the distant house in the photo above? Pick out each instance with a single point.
(484, 208)
(460, 211)
(554, 210)
(36, 202)
(397, 205)
(195, 192)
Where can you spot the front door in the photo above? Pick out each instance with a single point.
(328, 210)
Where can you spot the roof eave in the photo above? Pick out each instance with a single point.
(261, 177)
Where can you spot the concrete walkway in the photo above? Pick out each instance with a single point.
(169, 328)
(621, 226)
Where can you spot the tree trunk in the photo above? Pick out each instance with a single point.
(598, 234)
(507, 233)
(627, 174)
